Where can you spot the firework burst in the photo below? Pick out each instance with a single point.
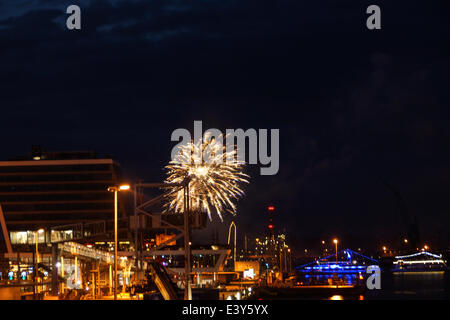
(214, 176)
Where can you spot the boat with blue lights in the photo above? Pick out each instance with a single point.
(344, 262)
(337, 276)
(344, 271)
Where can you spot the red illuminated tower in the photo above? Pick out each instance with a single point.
(271, 225)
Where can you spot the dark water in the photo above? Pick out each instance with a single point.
(394, 286)
(415, 285)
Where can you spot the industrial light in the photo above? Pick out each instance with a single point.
(122, 187)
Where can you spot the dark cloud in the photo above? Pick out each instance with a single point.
(352, 105)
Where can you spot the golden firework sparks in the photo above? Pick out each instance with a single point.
(214, 176)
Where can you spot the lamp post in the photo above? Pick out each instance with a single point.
(290, 259)
(335, 241)
(36, 234)
(116, 189)
(187, 244)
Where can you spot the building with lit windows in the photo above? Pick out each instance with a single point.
(51, 197)
(48, 189)
(271, 251)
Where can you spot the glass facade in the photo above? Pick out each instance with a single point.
(27, 237)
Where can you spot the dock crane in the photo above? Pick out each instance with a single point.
(412, 228)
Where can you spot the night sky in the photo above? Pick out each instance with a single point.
(354, 107)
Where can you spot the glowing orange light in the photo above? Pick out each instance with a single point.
(271, 208)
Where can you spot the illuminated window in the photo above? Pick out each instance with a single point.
(26, 237)
(19, 237)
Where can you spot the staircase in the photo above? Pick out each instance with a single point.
(162, 281)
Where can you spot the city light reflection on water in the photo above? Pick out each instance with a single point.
(406, 286)
(412, 285)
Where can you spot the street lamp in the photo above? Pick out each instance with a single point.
(36, 260)
(116, 189)
(335, 241)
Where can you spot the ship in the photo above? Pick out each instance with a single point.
(419, 262)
